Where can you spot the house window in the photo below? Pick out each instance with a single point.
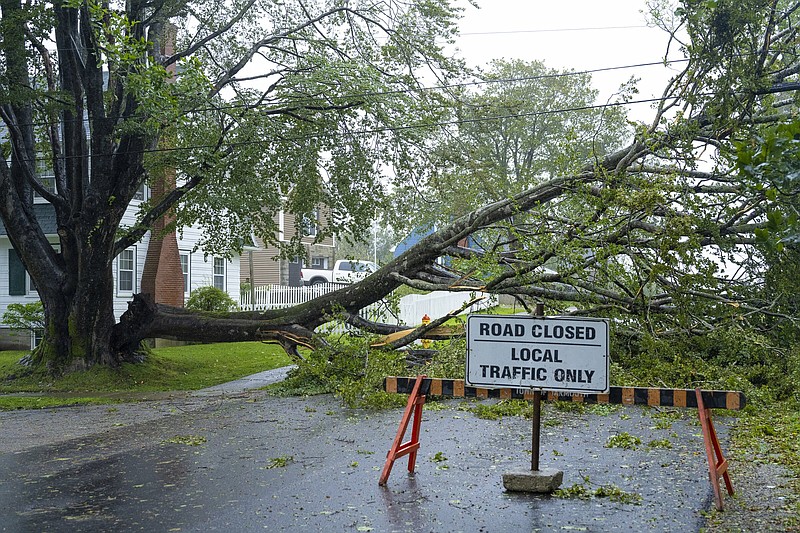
(219, 273)
(49, 183)
(126, 270)
(141, 193)
(36, 337)
(48, 178)
(185, 268)
(17, 277)
(319, 261)
(31, 286)
(311, 224)
(20, 282)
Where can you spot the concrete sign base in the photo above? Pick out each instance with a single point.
(542, 481)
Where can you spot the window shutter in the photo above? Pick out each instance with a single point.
(16, 274)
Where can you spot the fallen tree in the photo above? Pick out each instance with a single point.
(639, 235)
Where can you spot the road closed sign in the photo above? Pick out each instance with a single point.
(549, 353)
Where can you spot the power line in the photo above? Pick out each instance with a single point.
(553, 30)
(311, 99)
(373, 131)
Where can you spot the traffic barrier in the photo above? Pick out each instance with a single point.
(456, 388)
(702, 400)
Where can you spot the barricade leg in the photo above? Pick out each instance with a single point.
(399, 448)
(415, 430)
(717, 464)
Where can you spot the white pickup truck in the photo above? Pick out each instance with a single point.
(344, 271)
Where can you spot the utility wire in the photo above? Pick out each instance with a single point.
(554, 30)
(501, 32)
(782, 88)
(309, 99)
(388, 129)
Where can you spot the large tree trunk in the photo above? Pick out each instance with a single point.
(79, 310)
(78, 327)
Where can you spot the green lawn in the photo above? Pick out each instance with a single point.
(167, 369)
(502, 310)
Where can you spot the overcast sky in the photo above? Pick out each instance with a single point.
(572, 34)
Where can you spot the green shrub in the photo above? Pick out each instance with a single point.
(765, 368)
(25, 316)
(245, 289)
(210, 299)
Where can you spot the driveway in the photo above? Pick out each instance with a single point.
(251, 462)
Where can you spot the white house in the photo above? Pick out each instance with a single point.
(197, 268)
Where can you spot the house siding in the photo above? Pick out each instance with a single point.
(268, 268)
(45, 216)
(201, 274)
(266, 265)
(290, 230)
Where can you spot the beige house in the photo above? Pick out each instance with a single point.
(264, 266)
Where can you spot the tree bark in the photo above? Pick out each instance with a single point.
(79, 315)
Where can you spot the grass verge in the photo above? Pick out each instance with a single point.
(766, 436)
(179, 368)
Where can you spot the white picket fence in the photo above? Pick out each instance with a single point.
(280, 296)
(436, 304)
(410, 310)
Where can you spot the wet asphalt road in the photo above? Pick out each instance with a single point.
(258, 463)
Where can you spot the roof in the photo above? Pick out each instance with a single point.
(46, 216)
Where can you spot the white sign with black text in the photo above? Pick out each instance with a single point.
(550, 353)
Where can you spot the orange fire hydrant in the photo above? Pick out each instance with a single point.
(425, 321)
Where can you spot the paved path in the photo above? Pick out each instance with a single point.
(24, 429)
(254, 382)
(245, 461)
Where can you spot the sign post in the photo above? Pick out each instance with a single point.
(562, 354)
(536, 417)
(536, 424)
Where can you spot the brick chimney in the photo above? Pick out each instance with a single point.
(162, 276)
